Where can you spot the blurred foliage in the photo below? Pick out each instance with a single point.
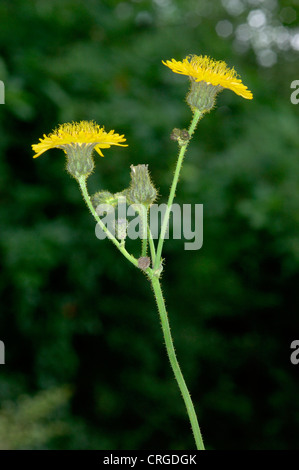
(30, 423)
(72, 310)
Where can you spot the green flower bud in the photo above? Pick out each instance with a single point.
(141, 191)
(182, 136)
(103, 197)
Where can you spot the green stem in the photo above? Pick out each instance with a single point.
(197, 115)
(174, 363)
(144, 216)
(151, 245)
(119, 246)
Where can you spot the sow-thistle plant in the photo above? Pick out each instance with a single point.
(79, 140)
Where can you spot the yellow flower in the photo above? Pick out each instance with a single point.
(74, 135)
(213, 72)
(78, 140)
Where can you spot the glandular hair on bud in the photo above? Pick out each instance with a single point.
(141, 190)
(202, 95)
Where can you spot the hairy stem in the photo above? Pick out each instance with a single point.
(197, 115)
(174, 363)
(119, 246)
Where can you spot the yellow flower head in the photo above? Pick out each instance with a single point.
(86, 134)
(213, 72)
(78, 140)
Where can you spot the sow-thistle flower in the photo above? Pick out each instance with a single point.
(78, 140)
(208, 77)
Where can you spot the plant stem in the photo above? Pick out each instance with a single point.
(119, 246)
(197, 115)
(144, 217)
(156, 260)
(152, 245)
(174, 363)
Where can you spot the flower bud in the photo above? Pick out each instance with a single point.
(103, 197)
(141, 191)
(144, 262)
(182, 136)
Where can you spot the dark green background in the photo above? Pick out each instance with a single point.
(73, 311)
